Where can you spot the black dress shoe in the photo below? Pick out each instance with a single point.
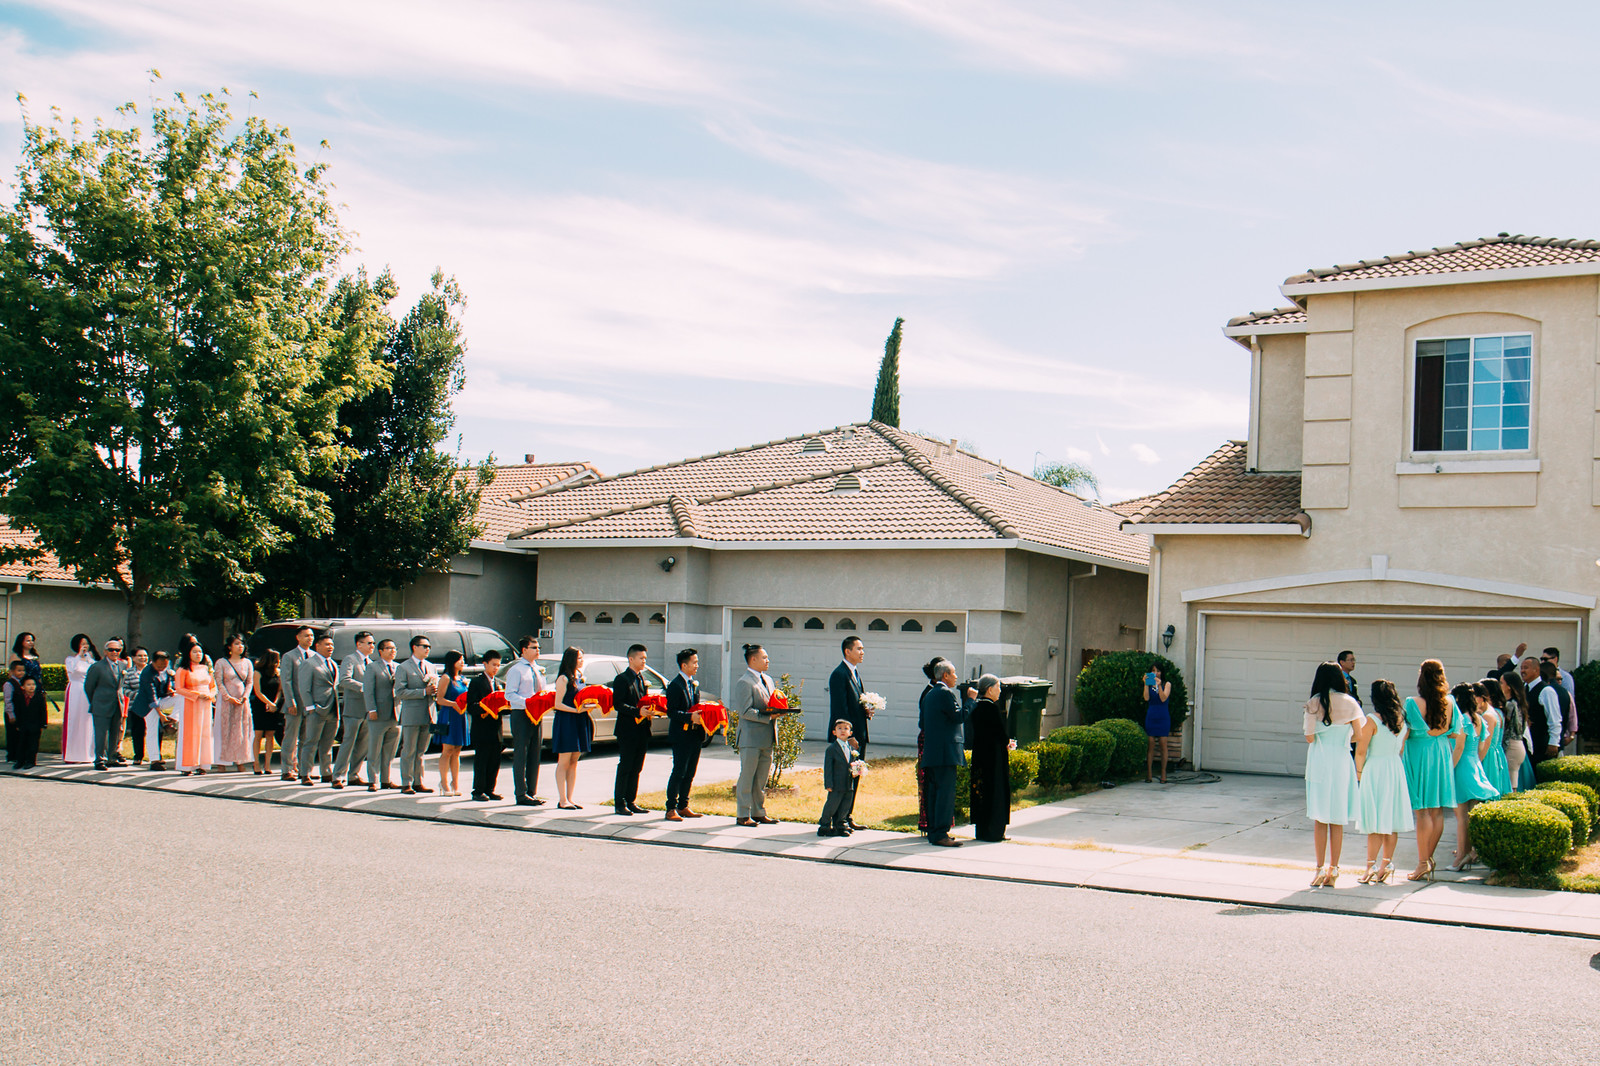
(98, 765)
(287, 776)
(623, 811)
(408, 791)
(305, 780)
(119, 762)
(424, 788)
(338, 784)
(850, 824)
(479, 797)
(636, 809)
(946, 842)
(747, 822)
(528, 802)
(764, 820)
(496, 795)
(372, 787)
(824, 832)
(389, 784)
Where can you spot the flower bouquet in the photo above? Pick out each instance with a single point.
(873, 702)
(858, 768)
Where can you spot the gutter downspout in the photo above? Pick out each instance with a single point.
(1152, 611)
(1069, 686)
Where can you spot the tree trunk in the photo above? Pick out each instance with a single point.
(136, 601)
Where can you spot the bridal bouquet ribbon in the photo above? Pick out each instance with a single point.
(873, 702)
(492, 704)
(777, 702)
(592, 697)
(538, 705)
(650, 706)
(713, 716)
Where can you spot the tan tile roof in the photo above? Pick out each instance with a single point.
(1220, 491)
(42, 566)
(1278, 316)
(916, 489)
(1501, 252)
(1129, 508)
(516, 479)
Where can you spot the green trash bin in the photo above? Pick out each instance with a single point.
(1025, 697)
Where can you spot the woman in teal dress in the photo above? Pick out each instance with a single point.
(1430, 758)
(1491, 697)
(1385, 810)
(1331, 795)
(1472, 784)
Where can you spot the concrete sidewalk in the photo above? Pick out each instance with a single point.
(1241, 839)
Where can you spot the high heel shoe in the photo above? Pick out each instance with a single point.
(1370, 876)
(1316, 881)
(1461, 864)
(1384, 874)
(1332, 880)
(1424, 873)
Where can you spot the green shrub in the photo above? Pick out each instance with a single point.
(55, 676)
(1576, 810)
(1587, 680)
(963, 791)
(1577, 788)
(1024, 768)
(1112, 686)
(1097, 746)
(1584, 769)
(1132, 746)
(1057, 763)
(1520, 836)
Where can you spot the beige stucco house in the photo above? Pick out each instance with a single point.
(912, 544)
(1421, 479)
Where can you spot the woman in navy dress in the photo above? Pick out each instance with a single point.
(573, 729)
(1157, 718)
(452, 724)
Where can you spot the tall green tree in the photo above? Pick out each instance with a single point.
(400, 505)
(886, 398)
(174, 366)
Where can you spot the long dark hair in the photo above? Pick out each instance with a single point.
(1516, 703)
(1329, 679)
(1467, 700)
(83, 638)
(569, 663)
(1386, 705)
(1433, 688)
(22, 642)
(267, 665)
(453, 659)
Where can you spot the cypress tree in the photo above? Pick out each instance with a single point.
(886, 400)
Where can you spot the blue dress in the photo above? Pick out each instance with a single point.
(1385, 799)
(454, 722)
(1157, 717)
(1331, 794)
(1494, 764)
(571, 732)
(1471, 782)
(1430, 773)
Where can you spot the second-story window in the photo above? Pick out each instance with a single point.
(1473, 394)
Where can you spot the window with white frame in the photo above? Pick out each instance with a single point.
(1473, 394)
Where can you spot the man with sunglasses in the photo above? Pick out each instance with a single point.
(415, 684)
(102, 685)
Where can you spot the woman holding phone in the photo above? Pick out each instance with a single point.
(1157, 718)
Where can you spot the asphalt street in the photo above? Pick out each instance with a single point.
(156, 928)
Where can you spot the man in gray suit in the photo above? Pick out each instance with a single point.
(756, 737)
(317, 684)
(288, 760)
(353, 713)
(383, 725)
(414, 686)
(103, 687)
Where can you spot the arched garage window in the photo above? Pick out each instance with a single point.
(752, 622)
(658, 619)
(602, 619)
(782, 623)
(878, 625)
(577, 616)
(630, 619)
(911, 625)
(946, 626)
(814, 623)
(844, 623)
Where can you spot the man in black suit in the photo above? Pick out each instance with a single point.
(485, 730)
(633, 730)
(687, 734)
(941, 717)
(844, 702)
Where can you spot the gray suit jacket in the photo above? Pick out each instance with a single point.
(316, 684)
(756, 728)
(352, 679)
(290, 670)
(103, 686)
(378, 690)
(410, 681)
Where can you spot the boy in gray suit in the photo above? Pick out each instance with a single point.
(837, 780)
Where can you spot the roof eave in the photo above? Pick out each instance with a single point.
(1299, 290)
(1220, 529)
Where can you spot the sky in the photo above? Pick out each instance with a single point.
(684, 226)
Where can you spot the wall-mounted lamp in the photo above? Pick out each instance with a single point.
(668, 563)
(1166, 637)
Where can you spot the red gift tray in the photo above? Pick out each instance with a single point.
(713, 716)
(493, 703)
(538, 705)
(777, 702)
(593, 694)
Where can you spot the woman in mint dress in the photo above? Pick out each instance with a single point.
(1331, 795)
(1472, 784)
(1430, 758)
(1385, 810)
(1493, 701)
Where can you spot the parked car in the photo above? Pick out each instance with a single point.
(444, 636)
(597, 670)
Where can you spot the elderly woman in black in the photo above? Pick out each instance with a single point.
(990, 771)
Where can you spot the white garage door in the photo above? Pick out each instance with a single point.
(805, 645)
(1258, 671)
(610, 629)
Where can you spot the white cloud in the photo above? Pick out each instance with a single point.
(1144, 453)
(1480, 111)
(1078, 455)
(1105, 449)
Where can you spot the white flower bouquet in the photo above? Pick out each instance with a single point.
(873, 702)
(858, 768)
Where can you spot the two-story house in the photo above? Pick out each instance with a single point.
(1421, 480)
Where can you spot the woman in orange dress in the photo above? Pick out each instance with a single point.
(196, 692)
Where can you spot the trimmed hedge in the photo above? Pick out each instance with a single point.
(1057, 763)
(963, 791)
(1132, 746)
(1520, 836)
(1576, 810)
(1587, 680)
(55, 676)
(1112, 686)
(1589, 795)
(1584, 769)
(1097, 746)
(1024, 768)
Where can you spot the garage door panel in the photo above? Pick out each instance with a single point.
(1258, 671)
(615, 637)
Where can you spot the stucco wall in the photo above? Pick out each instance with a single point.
(1281, 397)
(53, 615)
